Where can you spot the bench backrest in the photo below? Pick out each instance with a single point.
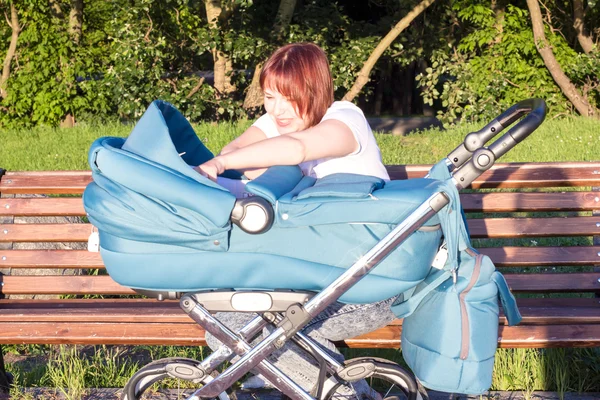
(514, 212)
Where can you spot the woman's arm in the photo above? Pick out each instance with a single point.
(250, 135)
(329, 139)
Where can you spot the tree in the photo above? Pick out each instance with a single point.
(545, 50)
(585, 40)
(363, 75)
(76, 20)
(223, 66)
(285, 12)
(12, 48)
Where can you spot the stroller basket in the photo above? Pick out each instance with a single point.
(168, 232)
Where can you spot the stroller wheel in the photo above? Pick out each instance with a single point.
(181, 374)
(387, 380)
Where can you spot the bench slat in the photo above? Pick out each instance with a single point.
(511, 256)
(188, 334)
(554, 282)
(533, 227)
(45, 232)
(510, 202)
(45, 182)
(526, 336)
(64, 284)
(517, 175)
(50, 259)
(479, 228)
(472, 202)
(501, 175)
(502, 257)
(41, 207)
(80, 285)
(535, 311)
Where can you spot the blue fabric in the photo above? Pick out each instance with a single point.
(342, 185)
(458, 356)
(165, 227)
(275, 182)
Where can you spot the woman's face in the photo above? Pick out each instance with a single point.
(283, 112)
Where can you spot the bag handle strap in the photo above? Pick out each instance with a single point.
(408, 306)
(509, 303)
(451, 217)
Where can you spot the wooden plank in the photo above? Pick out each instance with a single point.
(65, 284)
(535, 311)
(526, 336)
(554, 282)
(188, 334)
(41, 207)
(479, 228)
(557, 311)
(50, 259)
(501, 175)
(509, 256)
(472, 202)
(509, 202)
(518, 175)
(45, 182)
(96, 310)
(45, 232)
(533, 227)
(512, 256)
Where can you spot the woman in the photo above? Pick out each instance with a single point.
(304, 126)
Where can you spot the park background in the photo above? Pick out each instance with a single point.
(75, 70)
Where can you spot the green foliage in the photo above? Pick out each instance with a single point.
(495, 64)
(474, 60)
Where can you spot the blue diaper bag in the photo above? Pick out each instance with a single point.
(450, 327)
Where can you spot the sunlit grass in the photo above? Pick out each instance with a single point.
(571, 139)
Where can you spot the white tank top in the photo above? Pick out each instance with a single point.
(364, 161)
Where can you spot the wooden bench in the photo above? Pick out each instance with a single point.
(561, 200)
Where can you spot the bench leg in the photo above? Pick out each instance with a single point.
(5, 380)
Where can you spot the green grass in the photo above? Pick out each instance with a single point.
(74, 370)
(572, 139)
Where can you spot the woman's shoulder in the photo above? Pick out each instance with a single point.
(345, 110)
(344, 105)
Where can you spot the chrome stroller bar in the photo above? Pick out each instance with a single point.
(224, 353)
(291, 324)
(536, 112)
(254, 359)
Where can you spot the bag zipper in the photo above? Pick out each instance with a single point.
(464, 315)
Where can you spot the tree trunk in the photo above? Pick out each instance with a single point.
(568, 89)
(222, 63)
(76, 20)
(55, 9)
(499, 10)
(254, 97)
(586, 42)
(363, 75)
(12, 49)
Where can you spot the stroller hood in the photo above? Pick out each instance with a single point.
(144, 188)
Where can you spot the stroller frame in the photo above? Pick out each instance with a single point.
(468, 161)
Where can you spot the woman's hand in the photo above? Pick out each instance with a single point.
(211, 169)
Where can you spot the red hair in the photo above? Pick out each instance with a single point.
(300, 72)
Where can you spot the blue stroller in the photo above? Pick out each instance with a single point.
(170, 233)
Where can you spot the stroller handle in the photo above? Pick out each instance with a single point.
(536, 110)
(472, 158)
